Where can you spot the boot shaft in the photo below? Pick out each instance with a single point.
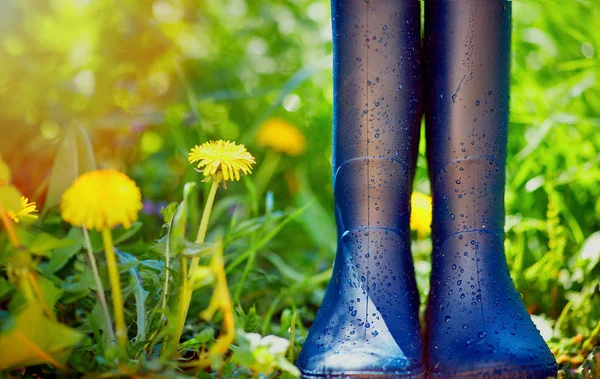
(467, 49)
(376, 115)
(367, 325)
(477, 324)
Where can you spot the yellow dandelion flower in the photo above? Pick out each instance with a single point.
(281, 136)
(420, 215)
(27, 212)
(221, 160)
(101, 199)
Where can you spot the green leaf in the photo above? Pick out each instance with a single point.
(74, 157)
(50, 294)
(10, 199)
(178, 224)
(62, 255)
(206, 335)
(5, 287)
(284, 269)
(249, 226)
(160, 245)
(35, 339)
(169, 212)
(139, 292)
(78, 286)
(318, 223)
(43, 243)
(266, 238)
(192, 249)
(121, 234)
(249, 322)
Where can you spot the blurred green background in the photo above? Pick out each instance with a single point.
(148, 80)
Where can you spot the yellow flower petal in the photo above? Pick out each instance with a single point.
(221, 160)
(27, 211)
(101, 199)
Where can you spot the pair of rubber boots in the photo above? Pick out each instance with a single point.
(368, 323)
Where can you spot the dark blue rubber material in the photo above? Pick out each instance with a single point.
(476, 323)
(367, 326)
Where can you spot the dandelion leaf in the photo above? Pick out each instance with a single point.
(43, 244)
(168, 212)
(61, 256)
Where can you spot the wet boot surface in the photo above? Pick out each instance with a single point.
(367, 326)
(477, 325)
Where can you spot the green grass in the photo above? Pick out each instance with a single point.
(168, 77)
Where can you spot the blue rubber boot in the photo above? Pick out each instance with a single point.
(477, 324)
(367, 326)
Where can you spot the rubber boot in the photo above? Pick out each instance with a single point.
(367, 326)
(477, 324)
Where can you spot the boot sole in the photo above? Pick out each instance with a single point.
(365, 375)
(532, 372)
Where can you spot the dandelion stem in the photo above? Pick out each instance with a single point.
(202, 229)
(115, 286)
(187, 286)
(206, 214)
(99, 288)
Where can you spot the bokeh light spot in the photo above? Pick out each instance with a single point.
(151, 142)
(292, 102)
(50, 129)
(587, 50)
